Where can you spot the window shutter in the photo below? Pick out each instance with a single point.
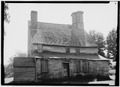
(78, 66)
(84, 66)
(44, 66)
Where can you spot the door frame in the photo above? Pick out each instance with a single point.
(68, 68)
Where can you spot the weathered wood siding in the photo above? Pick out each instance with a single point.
(24, 69)
(55, 49)
(71, 49)
(88, 50)
(31, 69)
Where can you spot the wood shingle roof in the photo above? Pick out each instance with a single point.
(58, 34)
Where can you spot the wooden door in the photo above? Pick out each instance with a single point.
(66, 69)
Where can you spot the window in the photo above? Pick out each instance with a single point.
(67, 50)
(77, 50)
(44, 66)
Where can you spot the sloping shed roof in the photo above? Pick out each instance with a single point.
(69, 56)
(102, 58)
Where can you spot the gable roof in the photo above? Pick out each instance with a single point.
(58, 34)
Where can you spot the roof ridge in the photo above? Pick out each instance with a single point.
(55, 23)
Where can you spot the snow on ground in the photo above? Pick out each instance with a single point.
(110, 82)
(8, 80)
(102, 58)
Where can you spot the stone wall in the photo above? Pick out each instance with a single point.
(30, 69)
(78, 27)
(55, 68)
(99, 67)
(86, 67)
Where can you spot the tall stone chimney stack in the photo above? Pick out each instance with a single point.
(78, 26)
(32, 29)
(77, 19)
(34, 19)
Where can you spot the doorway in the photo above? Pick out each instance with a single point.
(66, 69)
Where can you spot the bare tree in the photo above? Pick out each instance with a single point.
(6, 14)
(9, 68)
(99, 40)
(112, 44)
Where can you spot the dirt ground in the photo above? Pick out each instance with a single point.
(87, 80)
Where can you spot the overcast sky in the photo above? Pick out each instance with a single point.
(98, 17)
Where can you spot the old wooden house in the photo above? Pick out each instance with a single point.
(58, 51)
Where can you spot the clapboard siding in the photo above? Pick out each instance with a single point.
(24, 61)
(24, 74)
(88, 50)
(54, 49)
(24, 69)
(28, 69)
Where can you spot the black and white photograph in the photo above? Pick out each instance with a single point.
(60, 43)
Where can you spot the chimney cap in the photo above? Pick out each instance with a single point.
(77, 12)
(33, 11)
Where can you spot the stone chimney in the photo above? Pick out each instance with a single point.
(34, 19)
(78, 26)
(32, 29)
